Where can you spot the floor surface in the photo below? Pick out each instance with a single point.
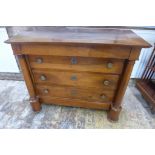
(16, 112)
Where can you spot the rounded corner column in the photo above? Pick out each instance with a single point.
(116, 106)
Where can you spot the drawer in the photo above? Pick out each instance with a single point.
(76, 63)
(75, 102)
(104, 51)
(74, 93)
(78, 79)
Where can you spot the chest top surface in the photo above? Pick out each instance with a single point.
(82, 36)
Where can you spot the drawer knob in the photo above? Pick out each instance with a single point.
(45, 91)
(103, 96)
(109, 65)
(106, 82)
(39, 60)
(43, 78)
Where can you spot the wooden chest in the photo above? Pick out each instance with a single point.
(87, 68)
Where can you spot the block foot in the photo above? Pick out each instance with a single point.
(35, 104)
(113, 114)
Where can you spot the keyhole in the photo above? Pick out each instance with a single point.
(73, 78)
(73, 60)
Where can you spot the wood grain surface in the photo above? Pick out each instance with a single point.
(75, 103)
(78, 79)
(101, 95)
(76, 63)
(83, 36)
(105, 51)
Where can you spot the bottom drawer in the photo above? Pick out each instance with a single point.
(75, 103)
(75, 93)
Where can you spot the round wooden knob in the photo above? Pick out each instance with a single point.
(45, 91)
(103, 96)
(109, 65)
(43, 78)
(39, 60)
(106, 82)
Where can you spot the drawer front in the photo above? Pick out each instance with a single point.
(74, 93)
(75, 102)
(76, 63)
(78, 79)
(104, 51)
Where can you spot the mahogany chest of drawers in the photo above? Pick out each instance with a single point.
(87, 68)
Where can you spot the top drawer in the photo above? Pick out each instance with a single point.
(76, 63)
(104, 51)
